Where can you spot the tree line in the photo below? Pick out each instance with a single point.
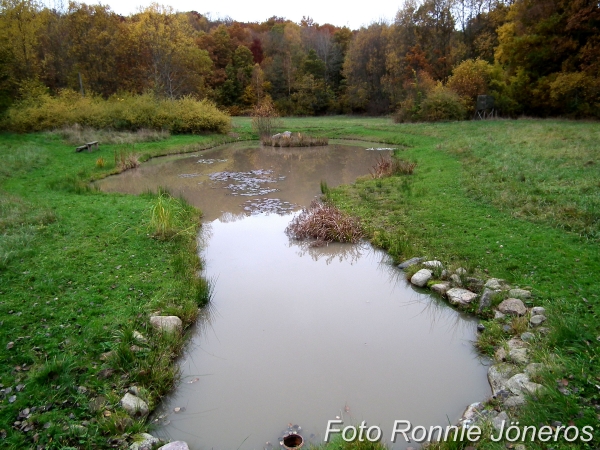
(536, 57)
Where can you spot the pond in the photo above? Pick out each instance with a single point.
(297, 335)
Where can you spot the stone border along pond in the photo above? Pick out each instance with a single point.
(509, 376)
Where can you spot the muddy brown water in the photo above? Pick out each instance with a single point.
(294, 335)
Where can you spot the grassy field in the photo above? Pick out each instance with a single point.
(80, 270)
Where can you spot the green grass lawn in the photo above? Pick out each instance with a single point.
(80, 270)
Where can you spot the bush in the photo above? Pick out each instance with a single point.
(127, 112)
(442, 104)
(265, 118)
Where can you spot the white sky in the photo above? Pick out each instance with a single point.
(337, 13)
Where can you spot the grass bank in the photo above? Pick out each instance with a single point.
(80, 272)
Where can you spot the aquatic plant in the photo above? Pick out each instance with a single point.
(325, 223)
(294, 140)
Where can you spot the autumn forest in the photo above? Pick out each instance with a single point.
(535, 57)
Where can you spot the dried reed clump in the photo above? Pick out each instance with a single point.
(386, 166)
(125, 160)
(294, 140)
(324, 223)
(265, 118)
(77, 135)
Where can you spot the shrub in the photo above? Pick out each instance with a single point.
(442, 104)
(265, 118)
(576, 94)
(325, 223)
(126, 112)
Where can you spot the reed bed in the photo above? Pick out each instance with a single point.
(325, 223)
(294, 140)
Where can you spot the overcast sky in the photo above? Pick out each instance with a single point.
(337, 13)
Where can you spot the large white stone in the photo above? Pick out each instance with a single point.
(176, 445)
(498, 376)
(441, 288)
(512, 306)
(421, 277)
(459, 296)
(166, 323)
(144, 441)
(135, 406)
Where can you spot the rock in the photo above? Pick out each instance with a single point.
(461, 271)
(10, 345)
(485, 300)
(134, 390)
(514, 401)
(480, 327)
(536, 321)
(538, 310)
(276, 136)
(516, 343)
(500, 354)
(506, 328)
(495, 284)
(533, 369)
(455, 280)
(139, 337)
(520, 447)
(135, 406)
(519, 355)
(519, 293)
(421, 277)
(176, 445)
(499, 420)
(512, 306)
(543, 330)
(81, 390)
(441, 288)
(471, 414)
(444, 274)
(286, 134)
(410, 262)
(433, 264)
(135, 348)
(144, 441)
(498, 315)
(166, 323)
(498, 376)
(474, 284)
(519, 384)
(459, 296)
(527, 336)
